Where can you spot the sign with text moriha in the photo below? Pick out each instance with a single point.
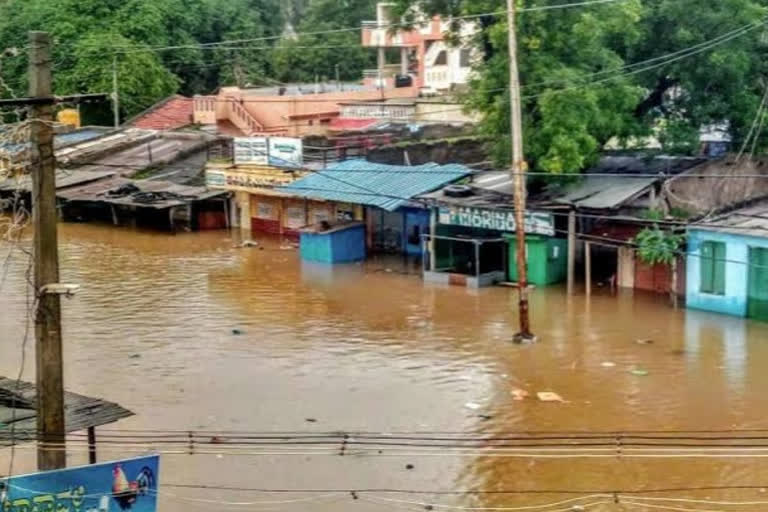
(537, 223)
(125, 485)
(251, 150)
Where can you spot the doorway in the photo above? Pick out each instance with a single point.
(757, 294)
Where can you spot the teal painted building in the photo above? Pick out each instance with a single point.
(727, 264)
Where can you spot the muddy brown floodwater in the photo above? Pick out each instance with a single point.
(372, 348)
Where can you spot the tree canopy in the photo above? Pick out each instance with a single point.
(593, 76)
(167, 46)
(329, 54)
(611, 72)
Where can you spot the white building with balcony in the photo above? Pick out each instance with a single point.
(427, 59)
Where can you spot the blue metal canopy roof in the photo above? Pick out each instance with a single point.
(386, 186)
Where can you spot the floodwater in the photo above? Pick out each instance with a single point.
(371, 348)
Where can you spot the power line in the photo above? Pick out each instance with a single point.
(405, 25)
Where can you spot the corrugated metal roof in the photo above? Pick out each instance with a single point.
(749, 221)
(17, 401)
(64, 178)
(605, 192)
(385, 186)
(170, 194)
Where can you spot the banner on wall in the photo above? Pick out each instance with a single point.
(128, 485)
(285, 151)
(275, 151)
(251, 150)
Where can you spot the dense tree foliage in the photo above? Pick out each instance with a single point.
(592, 74)
(326, 55)
(582, 88)
(90, 33)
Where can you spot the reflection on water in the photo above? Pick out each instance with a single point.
(370, 347)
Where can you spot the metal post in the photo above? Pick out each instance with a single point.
(588, 267)
(50, 381)
(432, 241)
(477, 262)
(114, 214)
(115, 94)
(571, 250)
(91, 445)
(518, 176)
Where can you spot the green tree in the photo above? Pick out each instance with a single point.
(143, 78)
(656, 246)
(581, 90)
(306, 57)
(254, 26)
(88, 33)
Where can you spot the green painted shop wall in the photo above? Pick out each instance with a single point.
(547, 259)
(757, 294)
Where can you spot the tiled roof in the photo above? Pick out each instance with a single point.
(386, 186)
(171, 113)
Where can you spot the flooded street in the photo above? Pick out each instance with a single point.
(373, 349)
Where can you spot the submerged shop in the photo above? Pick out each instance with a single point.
(257, 168)
(383, 197)
(473, 241)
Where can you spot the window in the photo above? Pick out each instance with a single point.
(713, 268)
(465, 58)
(442, 59)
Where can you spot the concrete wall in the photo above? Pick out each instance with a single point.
(447, 112)
(734, 301)
(467, 150)
(711, 189)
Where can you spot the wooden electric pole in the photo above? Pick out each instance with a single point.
(50, 381)
(518, 177)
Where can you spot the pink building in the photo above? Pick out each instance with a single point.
(290, 111)
(426, 58)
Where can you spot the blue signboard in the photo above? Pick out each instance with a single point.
(125, 485)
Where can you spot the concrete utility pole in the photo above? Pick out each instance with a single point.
(115, 94)
(50, 381)
(518, 176)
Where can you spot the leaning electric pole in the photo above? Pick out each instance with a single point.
(49, 367)
(518, 177)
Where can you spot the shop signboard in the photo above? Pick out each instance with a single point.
(124, 485)
(249, 180)
(251, 150)
(276, 151)
(285, 151)
(538, 223)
